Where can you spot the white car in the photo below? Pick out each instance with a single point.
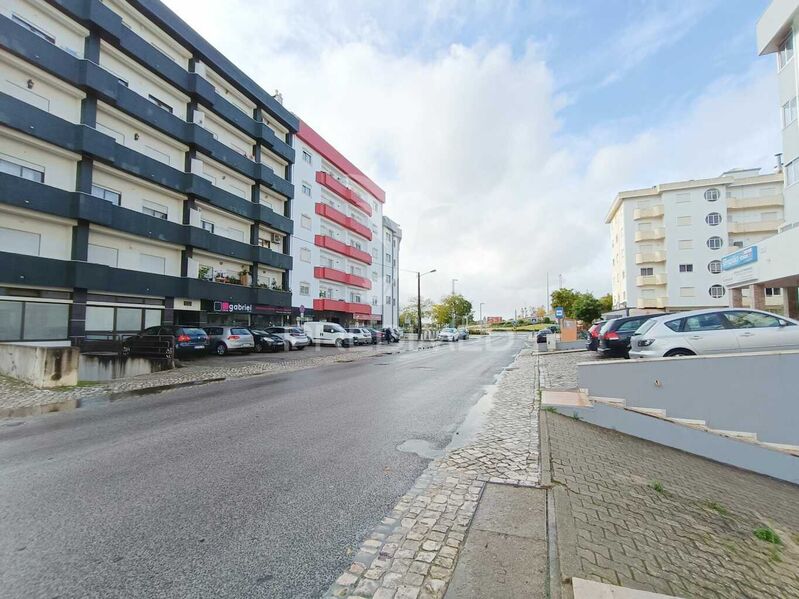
(328, 333)
(293, 337)
(362, 336)
(714, 331)
(448, 335)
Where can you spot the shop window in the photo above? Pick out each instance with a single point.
(10, 321)
(33, 321)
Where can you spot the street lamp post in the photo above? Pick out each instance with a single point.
(481, 314)
(419, 276)
(453, 300)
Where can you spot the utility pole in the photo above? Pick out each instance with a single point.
(419, 304)
(453, 302)
(547, 302)
(560, 281)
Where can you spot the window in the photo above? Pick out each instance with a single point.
(305, 255)
(647, 272)
(207, 225)
(744, 319)
(683, 198)
(388, 299)
(716, 291)
(160, 103)
(773, 291)
(20, 242)
(306, 189)
(791, 173)
(685, 244)
(33, 28)
(10, 321)
(154, 264)
(305, 221)
(785, 51)
(106, 194)
(388, 278)
(153, 209)
(374, 276)
(305, 289)
(31, 321)
(714, 266)
(712, 194)
(687, 292)
(100, 254)
(26, 172)
(789, 112)
(355, 297)
(388, 258)
(683, 221)
(675, 325)
(704, 322)
(630, 326)
(715, 242)
(713, 219)
(99, 318)
(686, 268)
(306, 156)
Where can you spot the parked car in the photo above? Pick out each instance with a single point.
(448, 334)
(377, 336)
(362, 336)
(541, 336)
(267, 342)
(714, 331)
(592, 336)
(328, 333)
(293, 337)
(615, 334)
(391, 335)
(463, 333)
(188, 340)
(226, 339)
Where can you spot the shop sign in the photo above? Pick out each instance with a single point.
(739, 258)
(232, 307)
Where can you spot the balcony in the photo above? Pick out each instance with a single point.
(647, 257)
(743, 203)
(653, 212)
(330, 305)
(331, 274)
(658, 233)
(343, 192)
(342, 219)
(760, 226)
(658, 279)
(323, 241)
(652, 302)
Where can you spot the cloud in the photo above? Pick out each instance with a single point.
(465, 138)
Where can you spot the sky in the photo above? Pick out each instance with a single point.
(502, 131)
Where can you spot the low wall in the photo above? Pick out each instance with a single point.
(101, 367)
(753, 392)
(40, 366)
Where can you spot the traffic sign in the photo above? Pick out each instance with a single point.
(558, 312)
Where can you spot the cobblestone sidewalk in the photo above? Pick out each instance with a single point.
(653, 518)
(18, 398)
(412, 553)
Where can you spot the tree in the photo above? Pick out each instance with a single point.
(408, 316)
(587, 308)
(452, 309)
(540, 312)
(564, 298)
(606, 302)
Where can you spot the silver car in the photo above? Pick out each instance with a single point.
(362, 336)
(714, 331)
(448, 335)
(221, 340)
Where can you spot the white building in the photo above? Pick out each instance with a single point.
(667, 241)
(392, 236)
(338, 247)
(773, 262)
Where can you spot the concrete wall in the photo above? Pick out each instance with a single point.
(40, 366)
(742, 392)
(110, 367)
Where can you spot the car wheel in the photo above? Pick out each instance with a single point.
(125, 350)
(339, 343)
(259, 347)
(220, 349)
(674, 353)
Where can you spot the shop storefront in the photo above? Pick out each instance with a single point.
(226, 313)
(39, 316)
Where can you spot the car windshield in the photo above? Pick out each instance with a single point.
(297, 330)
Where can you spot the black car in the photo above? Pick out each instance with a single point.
(377, 336)
(541, 336)
(150, 341)
(615, 334)
(267, 342)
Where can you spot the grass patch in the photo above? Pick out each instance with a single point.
(717, 507)
(767, 534)
(80, 385)
(657, 486)
(551, 410)
(774, 555)
(575, 416)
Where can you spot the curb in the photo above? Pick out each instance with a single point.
(39, 409)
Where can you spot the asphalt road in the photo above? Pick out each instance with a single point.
(249, 488)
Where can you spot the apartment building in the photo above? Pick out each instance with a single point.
(772, 263)
(144, 179)
(668, 241)
(392, 236)
(339, 249)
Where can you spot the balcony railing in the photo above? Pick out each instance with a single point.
(652, 212)
(343, 192)
(646, 280)
(331, 274)
(760, 226)
(647, 235)
(645, 257)
(331, 305)
(342, 219)
(743, 203)
(652, 302)
(334, 245)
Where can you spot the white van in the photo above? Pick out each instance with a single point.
(328, 333)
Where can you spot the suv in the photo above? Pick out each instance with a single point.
(615, 334)
(225, 339)
(187, 340)
(293, 337)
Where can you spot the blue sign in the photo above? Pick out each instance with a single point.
(739, 258)
(558, 312)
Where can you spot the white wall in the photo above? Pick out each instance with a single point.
(135, 192)
(59, 166)
(225, 178)
(68, 34)
(131, 249)
(35, 234)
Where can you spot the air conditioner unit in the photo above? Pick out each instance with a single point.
(199, 118)
(276, 238)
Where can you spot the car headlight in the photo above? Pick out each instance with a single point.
(645, 342)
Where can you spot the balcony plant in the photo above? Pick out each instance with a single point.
(205, 273)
